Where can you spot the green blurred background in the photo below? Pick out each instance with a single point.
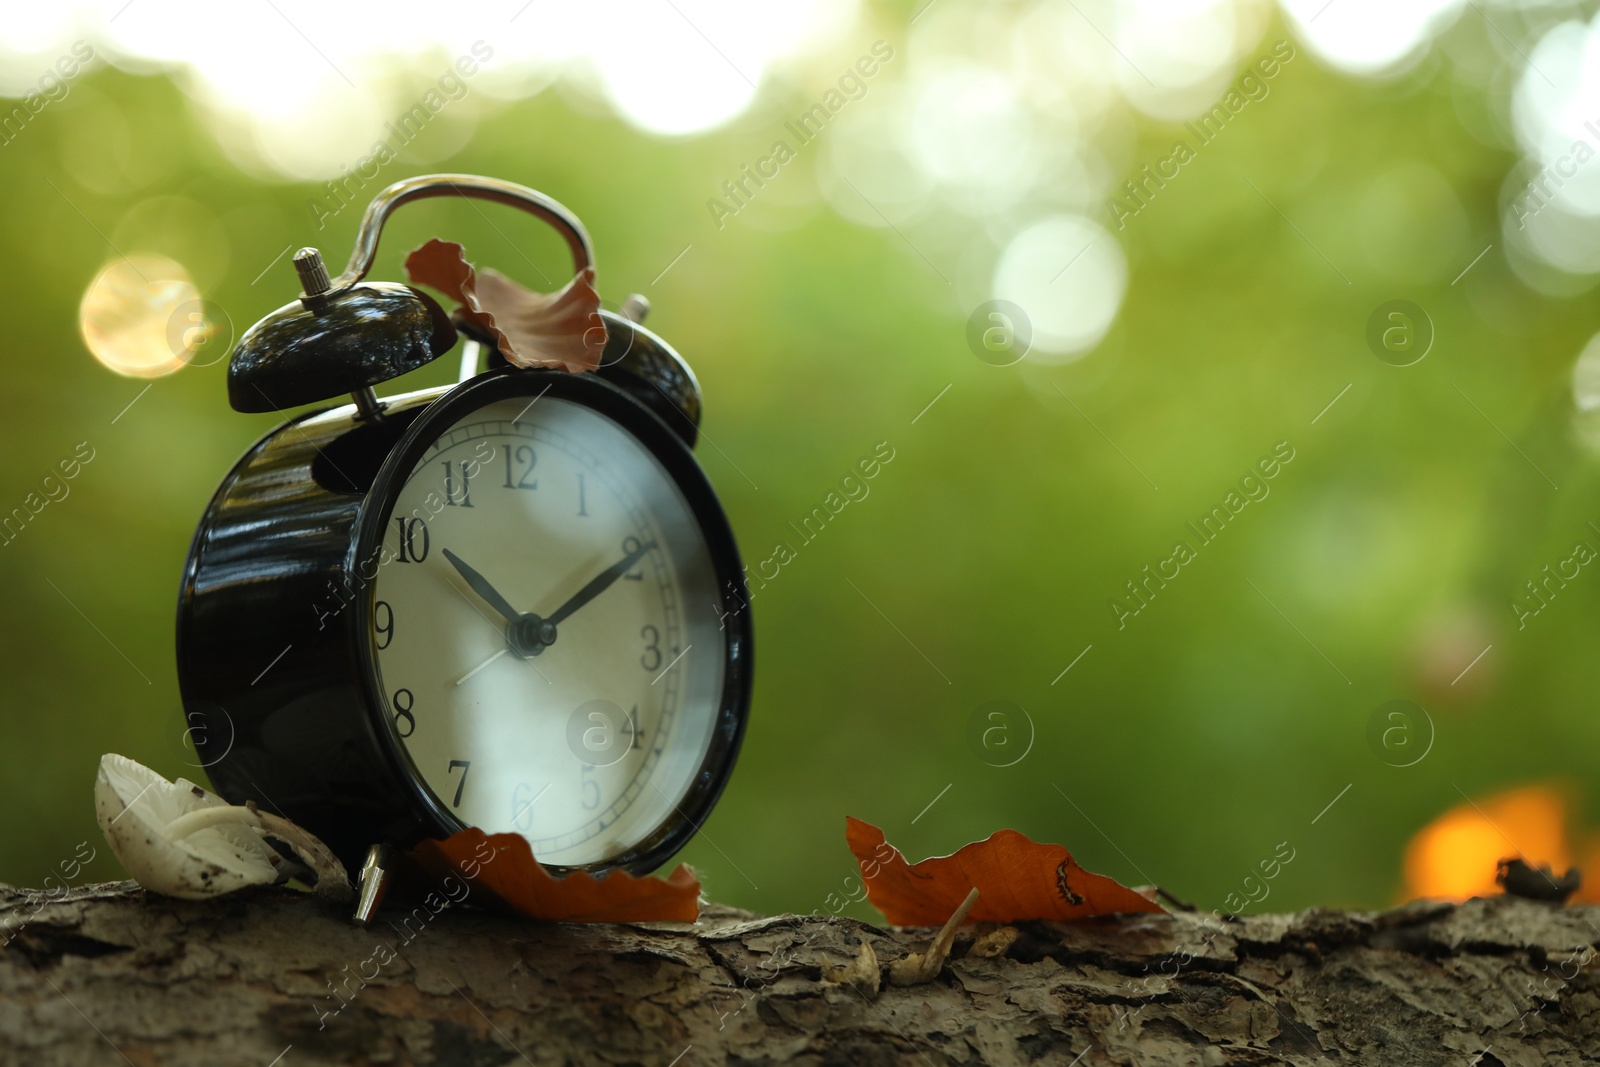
(1180, 749)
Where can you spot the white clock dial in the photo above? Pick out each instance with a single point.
(582, 724)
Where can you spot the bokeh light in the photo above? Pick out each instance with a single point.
(1454, 857)
(1552, 211)
(1068, 273)
(1179, 55)
(1369, 36)
(319, 84)
(971, 134)
(134, 310)
(1586, 394)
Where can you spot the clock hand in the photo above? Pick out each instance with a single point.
(481, 586)
(598, 585)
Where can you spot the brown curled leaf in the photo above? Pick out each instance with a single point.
(1016, 878)
(512, 878)
(560, 330)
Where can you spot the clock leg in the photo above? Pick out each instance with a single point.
(374, 881)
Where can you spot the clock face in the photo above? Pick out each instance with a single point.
(545, 631)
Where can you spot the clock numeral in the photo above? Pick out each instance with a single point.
(409, 552)
(650, 660)
(465, 500)
(590, 788)
(633, 718)
(402, 702)
(383, 623)
(522, 800)
(525, 455)
(630, 545)
(583, 512)
(465, 765)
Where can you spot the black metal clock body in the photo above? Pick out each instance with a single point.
(276, 636)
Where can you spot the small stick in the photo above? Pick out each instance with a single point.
(1181, 905)
(924, 966)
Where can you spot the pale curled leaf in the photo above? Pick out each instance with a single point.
(557, 330)
(179, 840)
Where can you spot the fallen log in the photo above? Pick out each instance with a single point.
(108, 974)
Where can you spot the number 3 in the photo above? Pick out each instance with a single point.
(651, 659)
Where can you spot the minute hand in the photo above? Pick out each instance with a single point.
(598, 585)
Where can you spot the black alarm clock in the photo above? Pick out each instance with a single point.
(514, 603)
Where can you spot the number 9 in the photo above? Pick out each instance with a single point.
(383, 623)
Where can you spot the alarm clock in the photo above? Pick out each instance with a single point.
(513, 603)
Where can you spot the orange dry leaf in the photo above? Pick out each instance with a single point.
(1016, 879)
(559, 330)
(502, 867)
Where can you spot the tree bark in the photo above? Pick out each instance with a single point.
(108, 974)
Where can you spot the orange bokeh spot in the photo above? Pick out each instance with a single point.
(1454, 857)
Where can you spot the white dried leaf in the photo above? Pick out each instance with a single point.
(179, 840)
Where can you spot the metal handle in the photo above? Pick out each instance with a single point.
(468, 185)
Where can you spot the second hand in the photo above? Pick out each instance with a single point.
(484, 664)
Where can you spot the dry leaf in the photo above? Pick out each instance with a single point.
(1017, 879)
(557, 330)
(861, 973)
(179, 840)
(516, 880)
(994, 943)
(1520, 878)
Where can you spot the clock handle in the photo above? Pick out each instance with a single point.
(473, 187)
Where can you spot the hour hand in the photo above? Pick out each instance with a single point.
(481, 586)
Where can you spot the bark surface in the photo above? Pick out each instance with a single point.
(108, 974)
